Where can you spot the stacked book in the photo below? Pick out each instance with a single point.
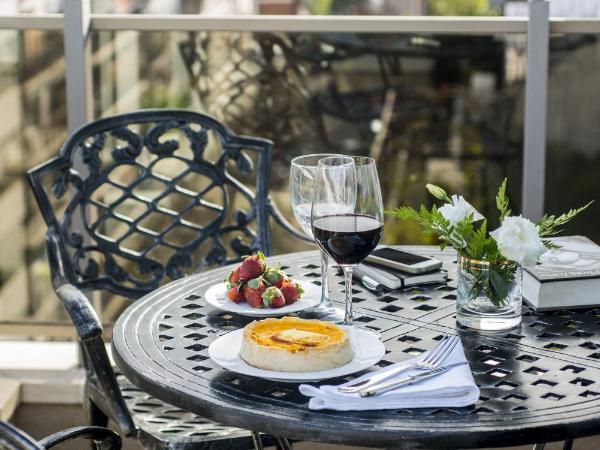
(566, 278)
(376, 277)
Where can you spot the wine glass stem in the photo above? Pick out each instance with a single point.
(325, 300)
(349, 316)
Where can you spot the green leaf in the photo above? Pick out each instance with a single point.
(499, 284)
(549, 225)
(491, 249)
(477, 243)
(498, 288)
(406, 213)
(461, 233)
(255, 283)
(550, 245)
(502, 201)
(433, 223)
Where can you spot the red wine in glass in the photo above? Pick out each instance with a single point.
(347, 238)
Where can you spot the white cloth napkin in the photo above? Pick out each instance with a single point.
(454, 388)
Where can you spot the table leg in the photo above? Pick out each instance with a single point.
(256, 440)
(568, 445)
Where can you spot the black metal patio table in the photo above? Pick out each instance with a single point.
(539, 382)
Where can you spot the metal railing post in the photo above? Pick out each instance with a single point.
(536, 92)
(76, 27)
(78, 76)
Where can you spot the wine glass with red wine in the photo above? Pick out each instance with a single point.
(347, 214)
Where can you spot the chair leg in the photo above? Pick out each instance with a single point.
(539, 446)
(95, 417)
(256, 439)
(283, 443)
(568, 445)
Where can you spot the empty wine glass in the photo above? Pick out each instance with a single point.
(347, 214)
(303, 173)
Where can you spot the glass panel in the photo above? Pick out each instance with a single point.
(30, 6)
(32, 101)
(573, 137)
(441, 109)
(558, 8)
(314, 7)
(310, 7)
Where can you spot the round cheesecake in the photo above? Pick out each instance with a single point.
(291, 344)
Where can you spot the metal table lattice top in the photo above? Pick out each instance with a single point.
(539, 382)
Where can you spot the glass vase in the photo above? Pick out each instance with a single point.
(489, 294)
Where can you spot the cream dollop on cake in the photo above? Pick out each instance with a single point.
(291, 344)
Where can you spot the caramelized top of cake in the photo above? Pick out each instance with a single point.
(294, 334)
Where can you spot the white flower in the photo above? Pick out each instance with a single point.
(518, 240)
(459, 209)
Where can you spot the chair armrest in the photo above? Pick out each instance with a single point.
(75, 302)
(107, 439)
(89, 329)
(13, 437)
(80, 311)
(284, 223)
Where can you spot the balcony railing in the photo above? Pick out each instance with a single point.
(77, 23)
(339, 24)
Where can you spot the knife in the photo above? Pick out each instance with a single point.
(405, 381)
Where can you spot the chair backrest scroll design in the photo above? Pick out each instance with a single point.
(152, 195)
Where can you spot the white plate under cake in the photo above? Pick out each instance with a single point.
(291, 344)
(366, 348)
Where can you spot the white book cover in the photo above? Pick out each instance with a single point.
(578, 258)
(567, 277)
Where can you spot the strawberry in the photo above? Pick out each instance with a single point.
(253, 292)
(273, 298)
(275, 276)
(252, 267)
(235, 293)
(234, 277)
(291, 291)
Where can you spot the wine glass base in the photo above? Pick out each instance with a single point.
(335, 315)
(355, 327)
(375, 333)
(323, 312)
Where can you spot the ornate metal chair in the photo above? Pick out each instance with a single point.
(12, 438)
(136, 200)
(255, 82)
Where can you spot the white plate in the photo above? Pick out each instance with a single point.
(368, 350)
(217, 296)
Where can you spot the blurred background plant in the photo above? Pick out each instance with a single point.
(462, 8)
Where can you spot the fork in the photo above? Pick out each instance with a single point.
(432, 359)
